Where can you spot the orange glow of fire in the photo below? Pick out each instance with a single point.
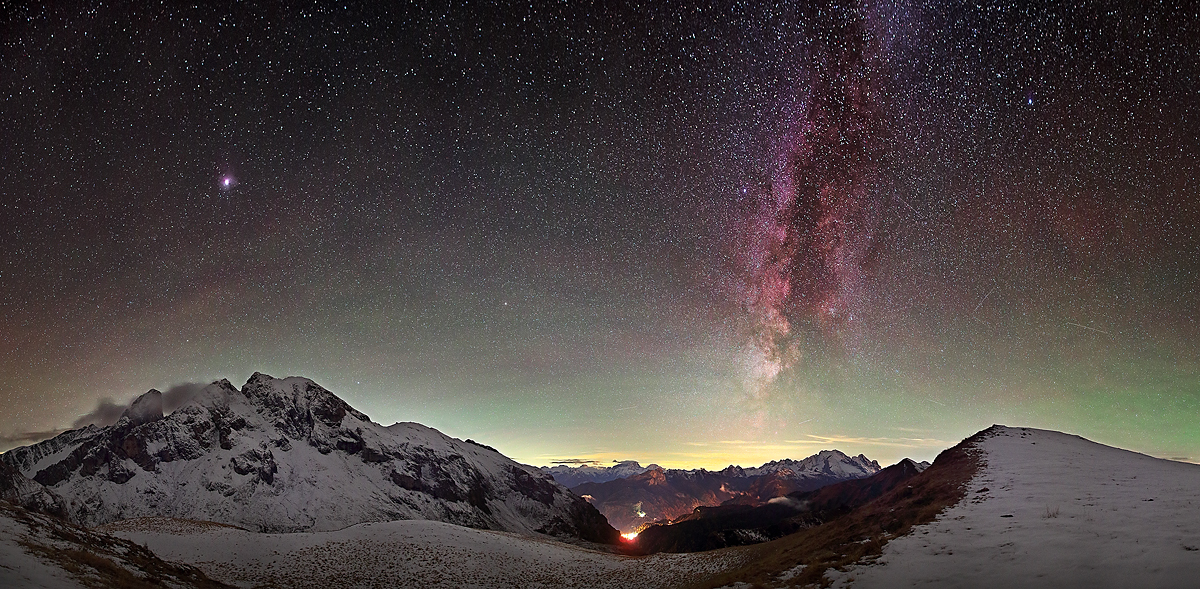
(630, 536)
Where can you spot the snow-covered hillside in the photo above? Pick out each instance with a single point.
(1049, 509)
(42, 552)
(409, 554)
(288, 455)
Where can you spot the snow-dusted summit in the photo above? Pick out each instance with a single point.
(824, 464)
(288, 455)
(572, 476)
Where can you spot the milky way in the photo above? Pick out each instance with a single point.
(816, 227)
(690, 234)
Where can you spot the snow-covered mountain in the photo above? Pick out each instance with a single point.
(826, 463)
(18, 490)
(1023, 508)
(571, 476)
(288, 455)
(1006, 507)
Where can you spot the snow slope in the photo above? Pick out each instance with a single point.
(1053, 510)
(408, 554)
(22, 569)
(40, 552)
(288, 455)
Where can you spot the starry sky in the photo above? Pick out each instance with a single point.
(692, 234)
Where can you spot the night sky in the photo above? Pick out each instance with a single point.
(694, 235)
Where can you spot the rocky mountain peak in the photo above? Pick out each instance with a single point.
(654, 476)
(285, 454)
(145, 409)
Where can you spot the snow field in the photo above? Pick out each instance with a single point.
(21, 570)
(411, 553)
(1054, 510)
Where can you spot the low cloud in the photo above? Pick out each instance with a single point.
(26, 438)
(576, 461)
(107, 412)
(788, 501)
(177, 395)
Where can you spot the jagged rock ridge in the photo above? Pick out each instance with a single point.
(288, 455)
(572, 476)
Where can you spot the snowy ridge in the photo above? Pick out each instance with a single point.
(571, 476)
(824, 464)
(1048, 509)
(830, 463)
(288, 455)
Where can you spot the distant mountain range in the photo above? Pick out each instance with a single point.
(573, 476)
(284, 455)
(736, 523)
(656, 494)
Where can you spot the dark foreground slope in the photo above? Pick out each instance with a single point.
(708, 528)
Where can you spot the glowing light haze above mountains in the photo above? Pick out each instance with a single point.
(691, 235)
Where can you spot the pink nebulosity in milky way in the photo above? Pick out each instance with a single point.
(814, 232)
